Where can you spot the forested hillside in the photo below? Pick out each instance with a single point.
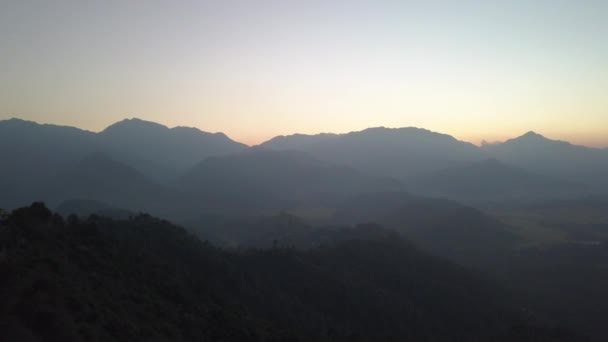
(144, 279)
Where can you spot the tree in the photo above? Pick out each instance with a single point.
(3, 215)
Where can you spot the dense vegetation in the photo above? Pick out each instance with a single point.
(566, 282)
(144, 279)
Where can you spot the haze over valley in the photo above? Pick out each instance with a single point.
(274, 171)
(493, 209)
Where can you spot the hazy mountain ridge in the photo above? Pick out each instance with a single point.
(390, 152)
(99, 177)
(554, 158)
(296, 141)
(278, 177)
(75, 170)
(410, 154)
(442, 227)
(492, 180)
(430, 163)
(171, 150)
(37, 154)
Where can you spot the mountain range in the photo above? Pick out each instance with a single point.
(554, 158)
(398, 153)
(37, 155)
(409, 153)
(302, 194)
(186, 165)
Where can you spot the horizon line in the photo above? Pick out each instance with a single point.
(480, 143)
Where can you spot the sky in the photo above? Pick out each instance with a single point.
(254, 69)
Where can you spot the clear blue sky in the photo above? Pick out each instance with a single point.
(254, 69)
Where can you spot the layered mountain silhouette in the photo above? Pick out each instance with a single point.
(98, 177)
(248, 182)
(443, 227)
(276, 179)
(166, 152)
(216, 172)
(415, 155)
(554, 158)
(494, 180)
(241, 198)
(398, 153)
(37, 154)
(32, 154)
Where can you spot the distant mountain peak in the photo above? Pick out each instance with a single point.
(410, 130)
(534, 139)
(134, 123)
(189, 129)
(530, 138)
(383, 129)
(15, 122)
(22, 125)
(195, 130)
(532, 135)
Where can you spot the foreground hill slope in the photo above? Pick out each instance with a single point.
(147, 280)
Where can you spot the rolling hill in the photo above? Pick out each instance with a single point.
(443, 227)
